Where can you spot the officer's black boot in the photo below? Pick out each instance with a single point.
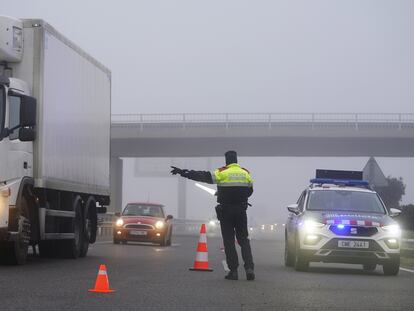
(232, 275)
(250, 274)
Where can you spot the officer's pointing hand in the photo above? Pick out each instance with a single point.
(176, 170)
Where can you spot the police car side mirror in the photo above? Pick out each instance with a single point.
(293, 208)
(395, 212)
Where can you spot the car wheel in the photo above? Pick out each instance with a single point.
(289, 255)
(391, 268)
(369, 266)
(169, 240)
(301, 263)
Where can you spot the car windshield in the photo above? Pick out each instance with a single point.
(143, 210)
(340, 200)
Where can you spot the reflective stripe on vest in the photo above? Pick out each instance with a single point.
(232, 176)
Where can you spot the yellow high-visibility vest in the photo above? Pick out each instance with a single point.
(232, 175)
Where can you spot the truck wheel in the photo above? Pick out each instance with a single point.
(391, 268)
(88, 226)
(289, 255)
(71, 248)
(16, 251)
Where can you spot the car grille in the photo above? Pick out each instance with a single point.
(137, 226)
(333, 245)
(354, 231)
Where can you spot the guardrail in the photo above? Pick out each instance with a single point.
(229, 118)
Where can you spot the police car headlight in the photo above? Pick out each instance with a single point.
(119, 222)
(159, 224)
(393, 230)
(311, 225)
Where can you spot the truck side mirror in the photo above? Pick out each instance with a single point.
(27, 134)
(27, 111)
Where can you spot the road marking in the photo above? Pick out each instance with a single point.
(225, 266)
(407, 270)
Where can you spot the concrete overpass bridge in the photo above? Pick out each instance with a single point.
(258, 134)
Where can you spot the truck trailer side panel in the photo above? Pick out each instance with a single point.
(73, 136)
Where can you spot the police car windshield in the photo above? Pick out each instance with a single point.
(143, 210)
(340, 200)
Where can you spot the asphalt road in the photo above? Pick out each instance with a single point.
(148, 277)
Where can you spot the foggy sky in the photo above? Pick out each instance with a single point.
(246, 56)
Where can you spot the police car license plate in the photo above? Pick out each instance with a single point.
(138, 233)
(353, 244)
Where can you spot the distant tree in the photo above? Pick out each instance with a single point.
(393, 193)
(406, 219)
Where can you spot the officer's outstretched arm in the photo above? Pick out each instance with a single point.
(202, 176)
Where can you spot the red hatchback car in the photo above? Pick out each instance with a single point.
(143, 222)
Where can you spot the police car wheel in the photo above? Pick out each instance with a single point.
(301, 262)
(391, 268)
(369, 266)
(289, 255)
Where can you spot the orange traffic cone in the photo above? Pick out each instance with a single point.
(201, 261)
(102, 283)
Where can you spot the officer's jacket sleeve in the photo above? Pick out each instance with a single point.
(202, 176)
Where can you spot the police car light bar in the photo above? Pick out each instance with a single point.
(341, 182)
(335, 174)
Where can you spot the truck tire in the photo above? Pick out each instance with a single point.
(72, 248)
(15, 252)
(89, 225)
(289, 254)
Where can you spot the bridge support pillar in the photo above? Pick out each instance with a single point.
(182, 199)
(116, 175)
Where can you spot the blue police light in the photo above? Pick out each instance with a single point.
(340, 226)
(342, 182)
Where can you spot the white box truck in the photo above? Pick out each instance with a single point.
(55, 110)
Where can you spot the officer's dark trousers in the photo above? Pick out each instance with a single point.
(233, 224)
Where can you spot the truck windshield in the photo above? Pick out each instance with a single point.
(340, 200)
(143, 210)
(2, 109)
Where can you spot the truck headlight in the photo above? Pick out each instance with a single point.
(311, 225)
(119, 222)
(159, 224)
(393, 230)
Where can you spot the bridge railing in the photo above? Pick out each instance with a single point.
(228, 118)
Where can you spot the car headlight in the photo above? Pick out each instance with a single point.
(119, 222)
(393, 230)
(159, 224)
(212, 223)
(311, 225)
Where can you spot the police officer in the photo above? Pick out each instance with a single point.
(234, 187)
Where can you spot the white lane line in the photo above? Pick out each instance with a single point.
(225, 266)
(407, 270)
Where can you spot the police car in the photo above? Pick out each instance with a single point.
(340, 219)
